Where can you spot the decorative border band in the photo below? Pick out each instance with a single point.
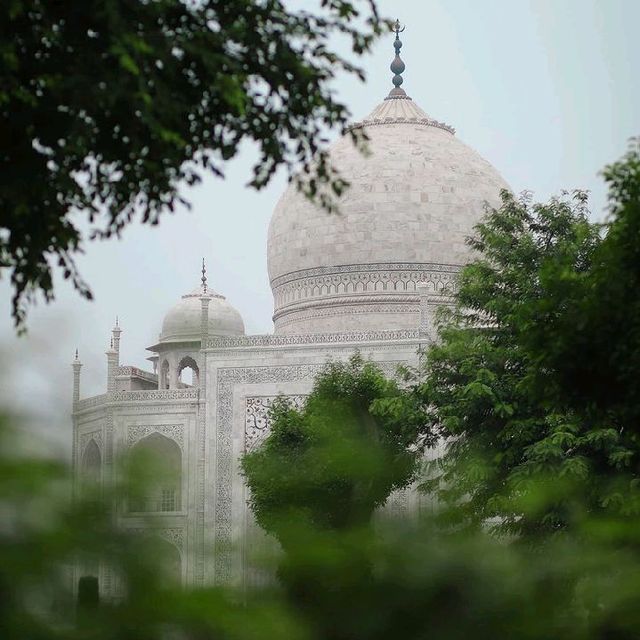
(347, 337)
(422, 267)
(374, 283)
(425, 122)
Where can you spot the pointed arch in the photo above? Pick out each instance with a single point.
(91, 463)
(169, 558)
(156, 468)
(189, 363)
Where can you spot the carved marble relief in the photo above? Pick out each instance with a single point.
(257, 418)
(173, 431)
(85, 438)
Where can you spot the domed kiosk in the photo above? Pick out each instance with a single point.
(413, 200)
(183, 322)
(203, 312)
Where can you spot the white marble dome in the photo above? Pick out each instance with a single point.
(182, 323)
(412, 203)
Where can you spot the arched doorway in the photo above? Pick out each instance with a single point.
(156, 475)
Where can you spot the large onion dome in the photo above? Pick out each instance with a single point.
(413, 201)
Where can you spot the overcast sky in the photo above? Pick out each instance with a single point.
(546, 90)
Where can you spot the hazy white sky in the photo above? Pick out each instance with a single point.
(546, 90)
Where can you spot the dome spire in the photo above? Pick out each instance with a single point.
(204, 277)
(397, 66)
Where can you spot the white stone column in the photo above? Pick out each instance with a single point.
(204, 319)
(204, 335)
(115, 332)
(173, 370)
(112, 365)
(77, 365)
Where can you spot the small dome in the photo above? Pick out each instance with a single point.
(182, 322)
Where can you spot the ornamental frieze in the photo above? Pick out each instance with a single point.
(156, 394)
(308, 339)
(423, 268)
(300, 286)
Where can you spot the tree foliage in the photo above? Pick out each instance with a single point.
(592, 342)
(530, 395)
(108, 108)
(332, 462)
(417, 583)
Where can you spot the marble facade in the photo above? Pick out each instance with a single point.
(368, 278)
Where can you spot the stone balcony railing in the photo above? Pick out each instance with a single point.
(134, 372)
(154, 395)
(192, 393)
(93, 401)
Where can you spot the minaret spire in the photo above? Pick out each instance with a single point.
(115, 339)
(397, 66)
(112, 364)
(76, 365)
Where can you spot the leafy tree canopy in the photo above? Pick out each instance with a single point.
(332, 462)
(496, 384)
(108, 107)
(590, 333)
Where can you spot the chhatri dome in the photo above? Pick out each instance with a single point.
(183, 322)
(413, 201)
(180, 342)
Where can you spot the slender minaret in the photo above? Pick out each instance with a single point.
(115, 332)
(76, 365)
(112, 364)
(204, 300)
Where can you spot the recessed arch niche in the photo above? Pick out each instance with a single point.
(156, 475)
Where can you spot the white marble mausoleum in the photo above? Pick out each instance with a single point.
(368, 278)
